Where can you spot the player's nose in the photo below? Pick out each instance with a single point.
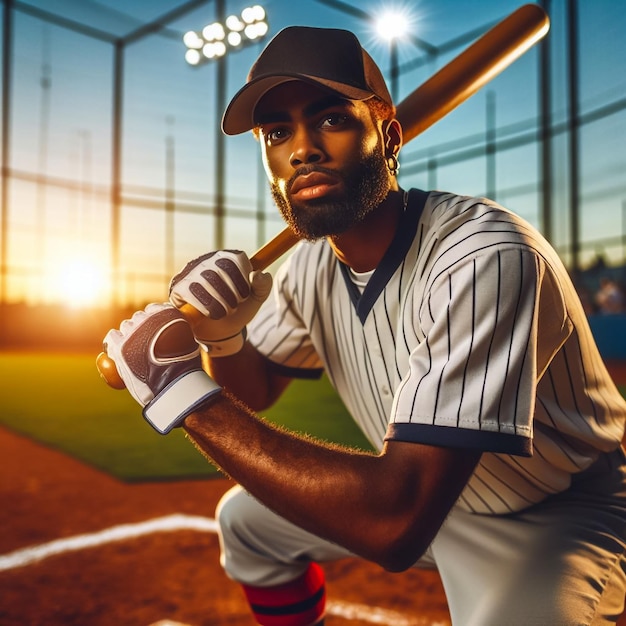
(306, 149)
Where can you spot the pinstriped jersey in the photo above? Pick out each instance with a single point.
(469, 333)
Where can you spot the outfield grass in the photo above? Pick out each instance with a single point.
(60, 400)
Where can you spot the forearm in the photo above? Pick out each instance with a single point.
(296, 477)
(345, 496)
(246, 376)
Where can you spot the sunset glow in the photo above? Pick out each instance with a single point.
(77, 282)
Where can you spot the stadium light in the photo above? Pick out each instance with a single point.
(392, 26)
(216, 39)
(212, 44)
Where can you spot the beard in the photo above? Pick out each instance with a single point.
(366, 185)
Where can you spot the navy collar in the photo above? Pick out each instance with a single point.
(393, 257)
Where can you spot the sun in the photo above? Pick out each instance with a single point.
(78, 282)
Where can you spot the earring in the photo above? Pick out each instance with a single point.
(393, 165)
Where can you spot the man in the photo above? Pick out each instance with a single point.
(453, 335)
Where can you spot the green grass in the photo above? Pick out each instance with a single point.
(60, 401)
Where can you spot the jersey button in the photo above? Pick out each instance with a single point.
(385, 390)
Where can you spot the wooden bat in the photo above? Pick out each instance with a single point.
(442, 92)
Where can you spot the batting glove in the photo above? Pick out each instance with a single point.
(158, 359)
(223, 287)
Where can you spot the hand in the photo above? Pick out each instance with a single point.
(158, 359)
(227, 291)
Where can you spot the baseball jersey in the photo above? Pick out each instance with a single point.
(469, 333)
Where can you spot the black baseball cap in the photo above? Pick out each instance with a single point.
(330, 57)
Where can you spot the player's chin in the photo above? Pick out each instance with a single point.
(318, 224)
(308, 229)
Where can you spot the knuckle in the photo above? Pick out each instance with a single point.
(222, 288)
(215, 309)
(236, 275)
(189, 268)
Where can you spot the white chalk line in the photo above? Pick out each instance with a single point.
(375, 615)
(176, 522)
(359, 612)
(169, 523)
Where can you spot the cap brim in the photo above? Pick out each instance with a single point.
(239, 115)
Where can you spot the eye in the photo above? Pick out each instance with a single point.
(275, 135)
(330, 120)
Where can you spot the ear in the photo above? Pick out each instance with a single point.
(392, 136)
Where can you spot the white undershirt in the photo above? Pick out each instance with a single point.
(360, 279)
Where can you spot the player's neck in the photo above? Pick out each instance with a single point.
(364, 245)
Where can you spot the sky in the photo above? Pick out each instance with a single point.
(58, 242)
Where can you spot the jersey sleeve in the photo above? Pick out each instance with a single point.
(278, 331)
(472, 380)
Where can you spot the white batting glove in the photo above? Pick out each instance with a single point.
(158, 359)
(224, 288)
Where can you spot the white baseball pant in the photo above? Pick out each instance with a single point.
(559, 563)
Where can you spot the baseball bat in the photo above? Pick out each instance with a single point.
(466, 74)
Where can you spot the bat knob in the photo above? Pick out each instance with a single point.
(108, 371)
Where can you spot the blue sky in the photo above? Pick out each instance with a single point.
(64, 131)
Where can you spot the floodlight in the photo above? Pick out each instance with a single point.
(193, 56)
(216, 39)
(192, 40)
(234, 23)
(392, 25)
(234, 39)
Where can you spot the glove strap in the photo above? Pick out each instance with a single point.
(180, 398)
(223, 347)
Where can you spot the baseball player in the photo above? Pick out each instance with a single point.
(454, 336)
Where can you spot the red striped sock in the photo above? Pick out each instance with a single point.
(300, 602)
